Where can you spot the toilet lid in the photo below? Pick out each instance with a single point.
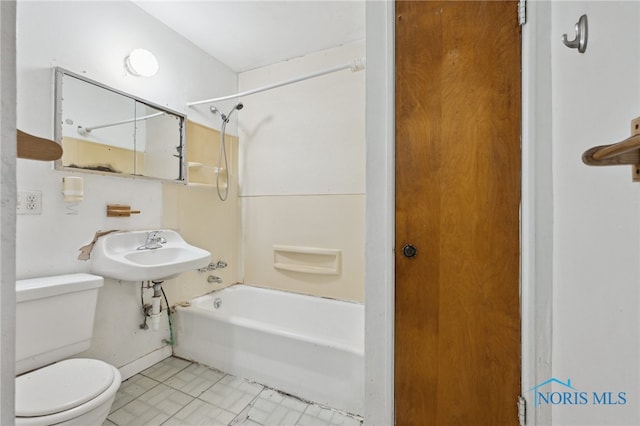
(61, 386)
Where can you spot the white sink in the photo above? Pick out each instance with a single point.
(123, 256)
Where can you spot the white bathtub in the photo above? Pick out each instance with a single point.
(306, 346)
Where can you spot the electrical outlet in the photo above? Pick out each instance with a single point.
(29, 202)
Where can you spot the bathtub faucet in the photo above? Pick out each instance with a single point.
(213, 266)
(154, 240)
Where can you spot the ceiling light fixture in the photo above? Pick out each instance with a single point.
(141, 63)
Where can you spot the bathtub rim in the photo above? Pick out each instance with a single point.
(240, 321)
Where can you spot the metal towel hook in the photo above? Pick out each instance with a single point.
(582, 33)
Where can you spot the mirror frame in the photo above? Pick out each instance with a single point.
(60, 73)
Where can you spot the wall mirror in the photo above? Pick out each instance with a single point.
(103, 130)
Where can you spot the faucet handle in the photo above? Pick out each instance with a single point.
(213, 266)
(154, 240)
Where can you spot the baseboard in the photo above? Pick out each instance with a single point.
(145, 362)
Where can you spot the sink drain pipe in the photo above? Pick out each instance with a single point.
(154, 310)
(155, 305)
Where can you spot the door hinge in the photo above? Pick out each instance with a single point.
(522, 411)
(522, 12)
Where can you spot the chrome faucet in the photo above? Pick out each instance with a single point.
(154, 240)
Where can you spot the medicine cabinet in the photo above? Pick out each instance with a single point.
(104, 130)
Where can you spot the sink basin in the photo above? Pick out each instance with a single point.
(118, 256)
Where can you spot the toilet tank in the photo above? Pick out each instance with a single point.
(54, 318)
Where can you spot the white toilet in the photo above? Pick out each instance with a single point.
(54, 320)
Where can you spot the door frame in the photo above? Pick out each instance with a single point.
(536, 210)
(7, 209)
(380, 213)
(536, 222)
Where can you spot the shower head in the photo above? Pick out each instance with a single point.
(237, 106)
(225, 118)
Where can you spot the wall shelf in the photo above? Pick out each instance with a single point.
(35, 148)
(309, 260)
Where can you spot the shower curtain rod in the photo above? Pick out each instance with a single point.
(355, 65)
(85, 130)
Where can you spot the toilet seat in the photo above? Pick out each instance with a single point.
(64, 389)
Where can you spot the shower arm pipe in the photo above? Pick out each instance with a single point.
(88, 129)
(355, 65)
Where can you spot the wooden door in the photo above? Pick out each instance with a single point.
(457, 323)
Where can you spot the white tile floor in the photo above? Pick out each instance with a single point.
(176, 392)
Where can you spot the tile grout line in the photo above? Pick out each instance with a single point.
(197, 397)
(247, 408)
(243, 416)
(158, 383)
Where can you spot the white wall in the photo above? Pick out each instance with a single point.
(302, 171)
(596, 212)
(307, 137)
(93, 38)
